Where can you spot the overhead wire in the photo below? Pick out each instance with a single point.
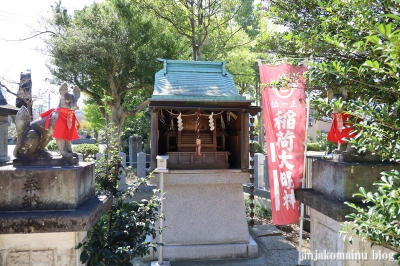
(15, 18)
(16, 15)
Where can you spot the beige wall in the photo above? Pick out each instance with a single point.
(315, 125)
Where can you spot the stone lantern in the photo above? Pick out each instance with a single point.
(5, 111)
(162, 162)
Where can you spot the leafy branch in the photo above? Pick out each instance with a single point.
(121, 234)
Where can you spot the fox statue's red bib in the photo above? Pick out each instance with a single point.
(66, 126)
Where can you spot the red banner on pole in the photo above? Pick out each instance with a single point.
(285, 124)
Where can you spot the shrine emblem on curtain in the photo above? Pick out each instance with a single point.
(284, 112)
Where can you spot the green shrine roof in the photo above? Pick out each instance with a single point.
(195, 81)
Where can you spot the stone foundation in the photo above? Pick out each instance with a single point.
(205, 216)
(333, 184)
(329, 248)
(45, 212)
(50, 249)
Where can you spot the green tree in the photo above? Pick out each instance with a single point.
(242, 64)
(138, 125)
(357, 48)
(93, 116)
(210, 27)
(357, 45)
(108, 49)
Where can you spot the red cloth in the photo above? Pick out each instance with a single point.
(341, 129)
(285, 128)
(66, 126)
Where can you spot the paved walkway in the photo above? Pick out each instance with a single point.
(273, 250)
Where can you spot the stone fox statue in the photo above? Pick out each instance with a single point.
(60, 123)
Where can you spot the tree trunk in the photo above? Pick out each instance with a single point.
(96, 135)
(117, 118)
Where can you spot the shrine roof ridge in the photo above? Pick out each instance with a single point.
(199, 98)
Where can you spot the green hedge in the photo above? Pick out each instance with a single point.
(315, 147)
(258, 148)
(87, 150)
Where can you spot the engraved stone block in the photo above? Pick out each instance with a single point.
(45, 188)
(18, 258)
(341, 180)
(42, 257)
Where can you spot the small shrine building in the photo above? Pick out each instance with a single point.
(198, 100)
(201, 122)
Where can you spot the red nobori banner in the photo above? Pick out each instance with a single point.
(285, 125)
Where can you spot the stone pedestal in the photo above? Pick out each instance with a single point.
(333, 184)
(45, 188)
(341, 180)
(45, 212)
(205, 216)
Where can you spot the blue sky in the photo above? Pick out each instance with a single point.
(18, 18)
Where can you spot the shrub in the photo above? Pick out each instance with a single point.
(52, 145)
(324, 144)
(258, 148)
(315, 147)
(120, 235)
(87, 150)
(118, 238)
(379, 222)
(262, 212)
(258, 210)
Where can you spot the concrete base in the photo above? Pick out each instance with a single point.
(205, 216)
(164, 263)
(328, 248)
(83, 219)
(49, 237)
(57, 161)
(204, 252)
(45, 188)
(50, 249)
(4, 159)
(45, 212)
